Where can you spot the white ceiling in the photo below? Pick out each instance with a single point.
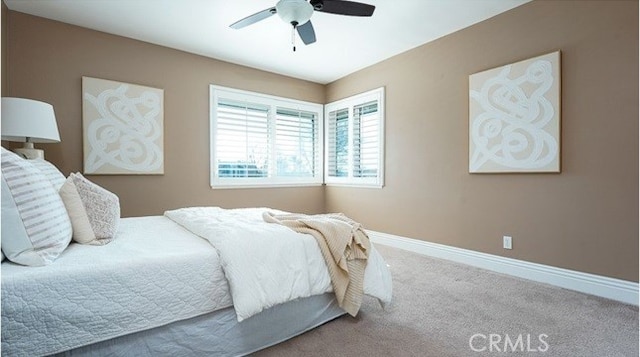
(344, 44)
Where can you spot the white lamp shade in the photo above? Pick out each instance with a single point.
(26, 118)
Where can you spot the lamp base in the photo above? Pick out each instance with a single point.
(29, 153)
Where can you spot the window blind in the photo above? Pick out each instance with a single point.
(354, 143)
(366, 148)
(338, 143)
(242, 139)
(259, 140)
(296, 143)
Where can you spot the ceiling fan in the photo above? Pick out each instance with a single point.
(298, 14)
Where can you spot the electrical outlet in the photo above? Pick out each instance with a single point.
(506, 242)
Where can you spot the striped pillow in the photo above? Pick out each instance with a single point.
(50, 172)
(35, 224)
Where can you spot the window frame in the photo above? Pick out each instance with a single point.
(217, 93)
(350, 103)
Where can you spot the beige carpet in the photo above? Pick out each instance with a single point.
(442, 308)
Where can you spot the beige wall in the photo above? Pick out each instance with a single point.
(585, 218)
(3, 51)
(48, 60)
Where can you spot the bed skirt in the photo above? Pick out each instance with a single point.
(219, 333)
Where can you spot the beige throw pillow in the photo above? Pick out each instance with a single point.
(94, 211)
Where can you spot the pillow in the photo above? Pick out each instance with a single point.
(50, 172)
(94, 211)
(35, 223)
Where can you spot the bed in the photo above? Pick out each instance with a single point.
(159, 286)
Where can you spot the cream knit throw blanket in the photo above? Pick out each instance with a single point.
(344, 246)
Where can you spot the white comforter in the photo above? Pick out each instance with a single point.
(269, 264)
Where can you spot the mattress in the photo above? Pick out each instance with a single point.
(154, 273)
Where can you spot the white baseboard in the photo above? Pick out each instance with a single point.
(615, 289)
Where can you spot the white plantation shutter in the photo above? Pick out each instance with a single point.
(366, 143)
(355, 140)
(260, 140)
(242, 139)
(338, 143)
(296, 144)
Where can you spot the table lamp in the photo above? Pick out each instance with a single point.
(29, 121)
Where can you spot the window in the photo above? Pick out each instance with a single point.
(354, 143)
(260, 140)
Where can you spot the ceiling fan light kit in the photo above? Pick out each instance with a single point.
(298, 13)
(294, 12)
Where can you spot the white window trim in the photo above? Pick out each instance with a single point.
(350, 102)
(216, 92)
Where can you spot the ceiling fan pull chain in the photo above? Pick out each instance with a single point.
(293, 35)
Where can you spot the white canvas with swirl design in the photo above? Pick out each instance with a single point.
(514, 117)
(123, 128)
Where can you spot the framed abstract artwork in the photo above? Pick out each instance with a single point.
(514, 117)
(122, 128)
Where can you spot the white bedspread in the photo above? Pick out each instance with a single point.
(269, 264)
(154, 273)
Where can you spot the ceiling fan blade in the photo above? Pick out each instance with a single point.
(258, 16)
(343, 7)
(306, 32)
